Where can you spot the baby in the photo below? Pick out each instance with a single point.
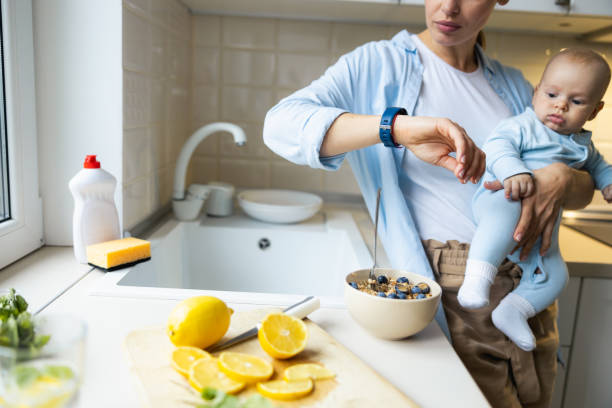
(568, 95)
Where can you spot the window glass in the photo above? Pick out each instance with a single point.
(5, 213)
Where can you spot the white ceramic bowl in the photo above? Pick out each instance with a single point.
(279, 206)
(386, 318)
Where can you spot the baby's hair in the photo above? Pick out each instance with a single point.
(587, 57)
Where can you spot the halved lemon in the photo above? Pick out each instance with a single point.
(307, 370)
(282, 336)
(285, 390)
(183, 357)
(245, 367)
(205, 373)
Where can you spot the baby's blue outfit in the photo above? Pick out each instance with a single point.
(518, 145)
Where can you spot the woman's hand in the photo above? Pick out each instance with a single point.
(539, 211)
(432, 139)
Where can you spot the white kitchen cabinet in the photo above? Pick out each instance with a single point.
(538, 6)
(557, 400)
(590, 365)
(568, 302)
(591, 7)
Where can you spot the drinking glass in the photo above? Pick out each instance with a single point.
(47, 377)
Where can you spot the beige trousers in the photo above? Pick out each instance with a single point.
(507, 375)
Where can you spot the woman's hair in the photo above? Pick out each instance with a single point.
(480, 40)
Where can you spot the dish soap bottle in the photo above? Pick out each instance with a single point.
(95, 216)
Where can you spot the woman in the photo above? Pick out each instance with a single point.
(442, 78)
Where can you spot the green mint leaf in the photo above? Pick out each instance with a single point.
(25, 375)
(59, 372)
(257, 401)
(20, 303)
(209, 393)
(41, 340)
(229, 401)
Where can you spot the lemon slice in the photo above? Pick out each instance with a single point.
(205, 373)
(183, 357)
(282, 336)
(307, 370)
(244, 367)
(285, 390)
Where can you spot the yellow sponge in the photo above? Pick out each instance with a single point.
(119, 253)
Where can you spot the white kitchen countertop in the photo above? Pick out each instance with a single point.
(425, 367)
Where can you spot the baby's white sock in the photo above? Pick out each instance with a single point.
(511, 316)
(479, 276)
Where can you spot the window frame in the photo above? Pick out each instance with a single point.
(23, 233)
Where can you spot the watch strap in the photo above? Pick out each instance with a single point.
(385, 130)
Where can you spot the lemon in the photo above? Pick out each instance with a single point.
(184, 356)
(282, 336)
(285, 390)
(307, 370)
(205, 373)
(245, 367)
(199, 321)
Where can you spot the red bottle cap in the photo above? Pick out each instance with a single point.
(91, 162)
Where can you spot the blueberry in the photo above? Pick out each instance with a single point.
(353, 285)
(400, 295)
(420, 296)
(393, 296)
(402, 279)
(382, 279)
(415, 289)
(424, 288)
(402, 287)
(381, 294)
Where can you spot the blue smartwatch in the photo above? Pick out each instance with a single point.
(386, 125)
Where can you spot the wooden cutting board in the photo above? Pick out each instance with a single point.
(356, 385)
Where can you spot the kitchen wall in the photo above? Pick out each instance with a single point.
(240, 67)
(157, 52)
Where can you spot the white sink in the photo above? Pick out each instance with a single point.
(244, 260)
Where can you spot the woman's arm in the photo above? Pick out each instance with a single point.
(430, 139)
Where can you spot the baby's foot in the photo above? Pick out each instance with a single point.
(510, 317)
(474, 292)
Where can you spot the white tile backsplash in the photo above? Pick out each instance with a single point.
(206, 65)
(137, 153)
(245, 173)
(297, 71)
(241, 67)
(157, 87)
(286, 175)
(136, 99)
(304, 36)
(243, 103)
(206, 31)
(246, 32)
(136, 50)
(205, 106)
(346, 37)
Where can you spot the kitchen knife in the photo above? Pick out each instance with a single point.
(299, 310)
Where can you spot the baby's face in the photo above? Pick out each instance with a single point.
(567, 96)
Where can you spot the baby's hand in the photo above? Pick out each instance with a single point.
(518, 186)
(607, 193)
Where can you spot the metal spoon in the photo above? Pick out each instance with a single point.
(372, 275)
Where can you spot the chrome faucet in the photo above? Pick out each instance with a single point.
(187, 205)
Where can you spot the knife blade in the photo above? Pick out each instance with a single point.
(299, 310)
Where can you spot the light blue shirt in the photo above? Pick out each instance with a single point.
(367, 80)
(523, 143)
